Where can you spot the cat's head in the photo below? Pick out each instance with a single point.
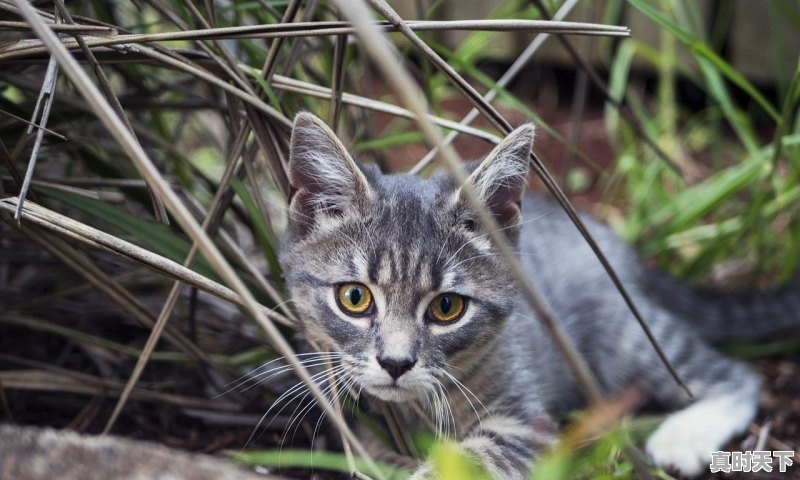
(395, 271)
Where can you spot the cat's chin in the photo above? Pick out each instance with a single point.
(392, 393)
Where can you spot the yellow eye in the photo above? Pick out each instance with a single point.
(354, 298)
(447, 307)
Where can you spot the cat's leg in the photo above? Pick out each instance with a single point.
(503, 445)
(726, 399)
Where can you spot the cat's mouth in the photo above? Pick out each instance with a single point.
(392, 392)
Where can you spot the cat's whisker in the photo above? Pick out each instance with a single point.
(298, 417)
(436, 407)
(294, 392)
(446, 400)
(438, 410)
(259, 379)
(251, 376)
(279, 372)
(309, 354)
(308, 363)
(431, 406)
(345, 388)
(464, 390)
(295, 415)
(369, 237)
(441, 405)
(268, 364)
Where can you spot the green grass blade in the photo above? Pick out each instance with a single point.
(312, 460)
(702, 51)
(158, 237)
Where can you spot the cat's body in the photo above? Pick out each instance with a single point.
(411, 244)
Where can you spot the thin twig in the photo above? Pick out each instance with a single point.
(74, 29)
(112, 197)
(309, 29)
(272, 54)
(90, 182)
(40, 380)
(774, 442)
(238, 255)
(31, 124)
(580, 91)
(299, 43)
(41, 113)
(337, 75)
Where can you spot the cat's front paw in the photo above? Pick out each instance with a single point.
(683, 444)
(674, 448)
(685, 440)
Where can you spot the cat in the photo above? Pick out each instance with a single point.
(394, 274)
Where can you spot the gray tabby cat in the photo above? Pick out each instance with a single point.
(394, 274)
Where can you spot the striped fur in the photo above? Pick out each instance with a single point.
(493, 379)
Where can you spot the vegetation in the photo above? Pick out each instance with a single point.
(170, 141)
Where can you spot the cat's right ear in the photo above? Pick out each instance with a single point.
(324, 179)
(499, 180)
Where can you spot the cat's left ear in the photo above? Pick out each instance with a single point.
(501, 177)
(325, 180)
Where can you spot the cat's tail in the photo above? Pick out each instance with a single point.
(722, 316)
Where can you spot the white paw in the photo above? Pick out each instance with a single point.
(682, 447)
(685, 440)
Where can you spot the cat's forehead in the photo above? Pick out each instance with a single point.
(408, 188)
(409, 207)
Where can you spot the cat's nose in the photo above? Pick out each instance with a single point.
(395, 367)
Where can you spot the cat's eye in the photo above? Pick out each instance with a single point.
(354, 298)
(447, 307)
